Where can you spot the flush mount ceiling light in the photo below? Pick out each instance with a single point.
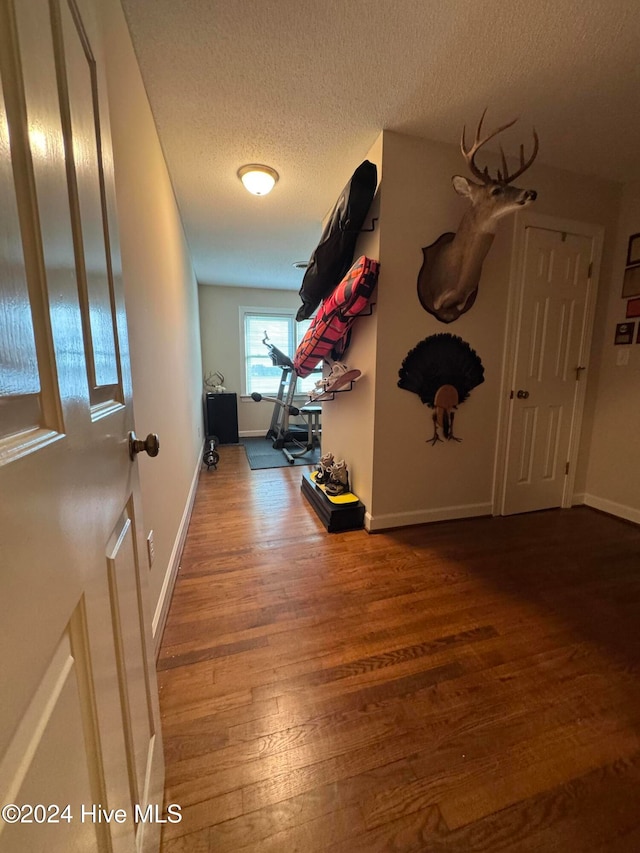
(258, 179)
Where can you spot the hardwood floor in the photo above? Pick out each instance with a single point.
(462, 686)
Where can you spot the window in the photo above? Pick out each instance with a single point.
(260, 374)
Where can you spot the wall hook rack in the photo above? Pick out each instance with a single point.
(331, 395)
(369, 310)
(346, 230)
(373, 226)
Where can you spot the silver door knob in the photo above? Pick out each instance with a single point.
(522, 395)
(151, 444)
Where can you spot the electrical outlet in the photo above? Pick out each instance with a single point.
(622, 357)
(150, 548)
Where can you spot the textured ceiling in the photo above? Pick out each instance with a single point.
(306, 86)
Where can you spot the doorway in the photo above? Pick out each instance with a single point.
(79, 718)
(553, 289)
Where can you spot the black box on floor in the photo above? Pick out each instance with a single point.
(335, 517)
(221, 417)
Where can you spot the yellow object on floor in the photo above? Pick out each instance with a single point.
(344, 498)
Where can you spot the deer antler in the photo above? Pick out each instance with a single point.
(503, 176)
(213, 379)
(507, 179)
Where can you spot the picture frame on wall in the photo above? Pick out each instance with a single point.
(633, 308)
(624, 334)
(633, 250)
(631, 282)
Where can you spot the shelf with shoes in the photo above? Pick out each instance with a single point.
(339, 380)
(328, 491)
(336, 517)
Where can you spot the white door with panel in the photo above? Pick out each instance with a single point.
(550, 359)
(78, 707)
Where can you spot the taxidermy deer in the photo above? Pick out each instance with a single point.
(448, 279)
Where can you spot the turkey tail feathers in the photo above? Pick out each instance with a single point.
(442, 359)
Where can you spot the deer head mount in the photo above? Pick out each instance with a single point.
(450, 273)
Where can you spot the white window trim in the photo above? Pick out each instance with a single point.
(250, 309)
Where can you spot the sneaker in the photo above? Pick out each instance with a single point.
(323, 471)
(342, 379)
(338, 479)
(337, 370)
(319, 389)
(339, 377)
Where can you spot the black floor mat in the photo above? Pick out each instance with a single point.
(261, 454)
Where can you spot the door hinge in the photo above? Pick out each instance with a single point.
(566, 468)
(590, 270)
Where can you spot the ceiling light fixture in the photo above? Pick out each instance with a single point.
(258, 179)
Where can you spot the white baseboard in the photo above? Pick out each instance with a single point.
(164, 599)
(424, 516)
(577, 499)
(252, 433)
(613, 508)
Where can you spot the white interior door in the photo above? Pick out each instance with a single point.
(78, 705)
(549, 354)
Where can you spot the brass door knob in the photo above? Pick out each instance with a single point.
(151, 444)
(522, 395)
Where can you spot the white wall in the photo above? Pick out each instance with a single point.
(222, 345)
(348, 419)
(413, 482)
(162, 307)
(612, 482)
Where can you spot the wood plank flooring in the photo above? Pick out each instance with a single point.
(462, 686)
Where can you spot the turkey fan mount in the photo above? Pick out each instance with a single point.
(442, 370)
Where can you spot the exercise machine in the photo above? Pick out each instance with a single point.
(304, 438)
